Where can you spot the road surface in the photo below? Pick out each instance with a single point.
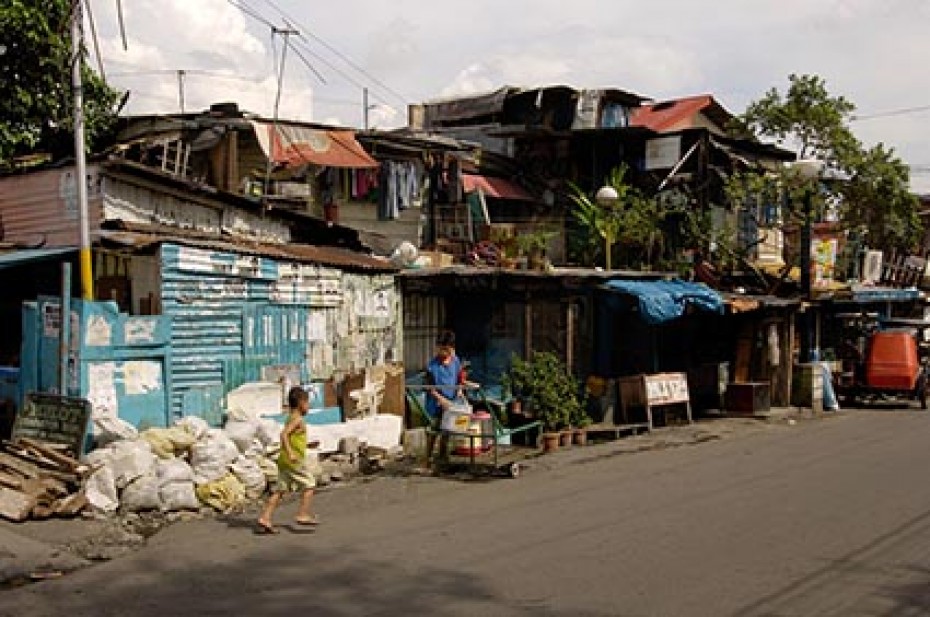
(826, 517)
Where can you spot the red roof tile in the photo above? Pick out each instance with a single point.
(677, 113)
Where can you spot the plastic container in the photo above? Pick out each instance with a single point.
(471, 442)
(892, 361)
(456, 418)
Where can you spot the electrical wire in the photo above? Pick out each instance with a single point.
(303, 28)
(93, 34)
(894, 112)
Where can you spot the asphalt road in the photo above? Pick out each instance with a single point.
(828, 517)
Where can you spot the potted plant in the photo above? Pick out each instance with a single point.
(547, 387)
(580, 423)
(534, 245)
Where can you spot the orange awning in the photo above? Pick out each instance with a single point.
(495, 187)
(292, 145)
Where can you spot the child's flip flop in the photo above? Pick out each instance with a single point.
(311, 522)
(262, 529)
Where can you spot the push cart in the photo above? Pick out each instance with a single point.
(480, 442)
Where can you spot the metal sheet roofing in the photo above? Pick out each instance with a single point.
(18, 258)
(296, 145)
(321, 255)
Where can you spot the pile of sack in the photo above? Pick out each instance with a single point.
(183, 467)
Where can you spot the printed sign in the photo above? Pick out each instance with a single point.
(665, 388)
(55, 419)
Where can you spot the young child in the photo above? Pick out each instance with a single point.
(293, 475)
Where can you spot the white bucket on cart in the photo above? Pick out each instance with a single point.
(457, 417)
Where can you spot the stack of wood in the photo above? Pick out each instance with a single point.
(39, 480)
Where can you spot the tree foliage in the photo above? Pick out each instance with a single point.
(35, 78)
(635, 228)
(869, 185)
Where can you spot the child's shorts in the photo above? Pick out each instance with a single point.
(294, 480)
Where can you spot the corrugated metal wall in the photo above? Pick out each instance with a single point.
(424, 316)
(44, 205)
(233, 314)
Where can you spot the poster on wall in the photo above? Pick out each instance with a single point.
(823, 261)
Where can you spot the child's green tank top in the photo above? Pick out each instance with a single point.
(298, 441)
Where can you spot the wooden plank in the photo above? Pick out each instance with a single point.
(9, 480)
(49, 452)
(71, 505)
(14, 505)
(29, 470)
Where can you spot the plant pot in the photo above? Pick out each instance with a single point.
(580, 437)
(550, 442)
(565, 438)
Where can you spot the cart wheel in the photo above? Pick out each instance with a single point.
(513, 470)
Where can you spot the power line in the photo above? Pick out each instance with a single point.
(339, 54)
(894, 112)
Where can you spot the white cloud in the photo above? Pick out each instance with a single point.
(470, 80)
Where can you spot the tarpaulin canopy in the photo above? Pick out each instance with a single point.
(662, 301)
(491, 186)
(297, 145)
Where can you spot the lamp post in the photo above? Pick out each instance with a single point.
(807, 170)
(607, 197)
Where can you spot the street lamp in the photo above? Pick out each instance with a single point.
(607, 197)
(806, 170)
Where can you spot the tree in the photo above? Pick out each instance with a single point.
(871, 185)
(35, 78)
(637, 223)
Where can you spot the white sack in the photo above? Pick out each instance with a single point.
(178, 496)
(131, 460)
(242, 433)
(269, 432)
(109, 428)
(212, 455)
(100, 490)
(251, 475)
(174, 470)
(197, 427)
(141, 494)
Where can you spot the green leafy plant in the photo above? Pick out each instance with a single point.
(548, 388)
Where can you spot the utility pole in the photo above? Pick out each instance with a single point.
(285, 32)
(181, 73)
(80, 176)
(365, 108)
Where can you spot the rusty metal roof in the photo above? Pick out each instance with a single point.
(321, 255)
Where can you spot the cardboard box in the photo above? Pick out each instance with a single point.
(436, 259)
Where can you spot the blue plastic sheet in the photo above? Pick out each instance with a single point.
(662, 301)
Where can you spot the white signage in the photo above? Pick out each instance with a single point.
(663, 152)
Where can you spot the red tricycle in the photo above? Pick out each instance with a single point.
(883, 359)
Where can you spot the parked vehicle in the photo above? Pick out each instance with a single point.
(884, 359)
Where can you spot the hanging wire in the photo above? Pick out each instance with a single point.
(122, 24)
(93, 35)
(303, 28)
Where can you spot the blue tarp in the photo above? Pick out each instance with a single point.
(661, 301)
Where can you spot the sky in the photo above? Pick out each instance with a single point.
(873, 52)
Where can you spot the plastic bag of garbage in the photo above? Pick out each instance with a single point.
(197, 427)
(269, 431)
(212, 455)
(269, 467)
(131, 460)
(100, 490)
(242, 433)
(178, 496)
(168, 442)
(222, 494)
(142, 494)
(109, 428)
(174, 470)
(251, 475)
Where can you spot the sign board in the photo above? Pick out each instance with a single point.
(55, 419)
(662, 152)
(666, 388)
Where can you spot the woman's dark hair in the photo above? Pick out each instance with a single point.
(295, 396)
(446, 338)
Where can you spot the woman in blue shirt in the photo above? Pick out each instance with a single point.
(444, 370)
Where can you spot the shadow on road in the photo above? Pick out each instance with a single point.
(274, 580)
